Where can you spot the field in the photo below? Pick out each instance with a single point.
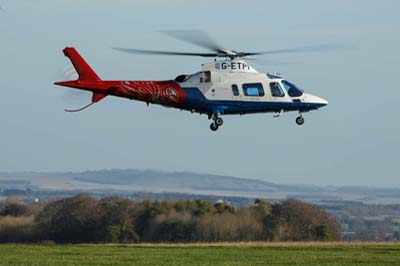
(203, 254)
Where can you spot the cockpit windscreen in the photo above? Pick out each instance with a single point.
(292, 89)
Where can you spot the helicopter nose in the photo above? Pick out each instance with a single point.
(322, 101)
(318, 101)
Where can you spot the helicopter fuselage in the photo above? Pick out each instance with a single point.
(224, 87)
(234, 87)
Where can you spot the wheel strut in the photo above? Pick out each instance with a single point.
(218, 121)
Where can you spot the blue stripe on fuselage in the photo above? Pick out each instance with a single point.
(196, 101)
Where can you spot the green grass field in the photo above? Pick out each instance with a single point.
(203, 254)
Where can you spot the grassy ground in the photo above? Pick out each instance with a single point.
(203, 254)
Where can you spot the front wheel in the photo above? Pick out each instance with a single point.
(300, 120)
(214, 127)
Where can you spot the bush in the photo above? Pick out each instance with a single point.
(112, 234)
(13, 207)
(171, 227)
(17, 229)
(69, 220)
(294, 220)
(241, 226)
(117, 220)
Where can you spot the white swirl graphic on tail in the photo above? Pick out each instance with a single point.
(150, 91)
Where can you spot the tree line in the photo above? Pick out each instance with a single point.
(85, 219)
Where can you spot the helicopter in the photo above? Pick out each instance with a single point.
(228, 85)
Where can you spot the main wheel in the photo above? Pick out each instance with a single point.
(214, 127)
(219, 121)
(300, 120)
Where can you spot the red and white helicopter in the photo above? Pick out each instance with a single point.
(223, 87)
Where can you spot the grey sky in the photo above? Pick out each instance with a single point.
(353, 141)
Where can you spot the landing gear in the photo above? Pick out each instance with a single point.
(213, 126)
(300, 120)
(218, 121)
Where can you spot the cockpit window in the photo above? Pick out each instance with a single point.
(207, 76)
(276, 89)
(291, 89)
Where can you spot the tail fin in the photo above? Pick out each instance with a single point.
(88, 79)
(85, 72)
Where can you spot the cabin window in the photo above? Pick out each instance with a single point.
(253, 89)
(276, 89)
(235, 90)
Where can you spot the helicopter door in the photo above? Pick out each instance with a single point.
(277, 92)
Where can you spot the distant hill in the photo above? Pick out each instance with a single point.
(131, 180)
(151, 179)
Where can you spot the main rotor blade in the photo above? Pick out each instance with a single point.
(260, 61)
(305, 49)
(196, 37)
(153, 52)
